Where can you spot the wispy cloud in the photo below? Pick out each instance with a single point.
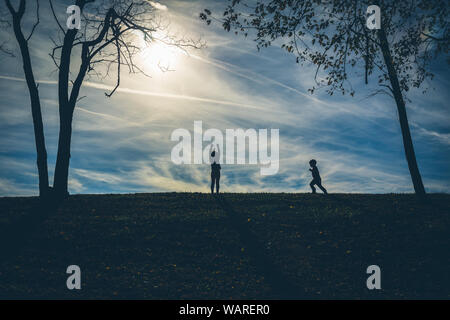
(97, 176)
(104, 87)
(158, 5)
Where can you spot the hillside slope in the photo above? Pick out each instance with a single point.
(236, 246)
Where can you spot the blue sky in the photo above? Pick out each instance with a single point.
(122, 144)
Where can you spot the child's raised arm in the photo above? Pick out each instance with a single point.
(210, 151)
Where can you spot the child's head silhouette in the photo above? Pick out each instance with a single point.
(312, 162)
(213, 154)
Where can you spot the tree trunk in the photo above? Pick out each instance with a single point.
(35, 110)
(61, 175)
(60, 183)
(407, 141)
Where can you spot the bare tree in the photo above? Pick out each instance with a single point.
(23, 42)
(105, 40)
(333, 35)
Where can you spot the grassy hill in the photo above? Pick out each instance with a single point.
(236, 246)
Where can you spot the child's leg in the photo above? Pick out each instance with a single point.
(311, 184)
(217, 184)
(212, 183)
(322, 188)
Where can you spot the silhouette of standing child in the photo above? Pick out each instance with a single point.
(316, 177)
(215, 168)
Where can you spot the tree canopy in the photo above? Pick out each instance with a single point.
(333, 36)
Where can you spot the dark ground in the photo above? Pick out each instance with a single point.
(238, 246)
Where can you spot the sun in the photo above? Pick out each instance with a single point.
(159, 55)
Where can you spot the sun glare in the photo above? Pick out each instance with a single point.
(159, 56)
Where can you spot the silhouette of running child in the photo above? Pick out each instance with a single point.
(316, 177)
(215, 168)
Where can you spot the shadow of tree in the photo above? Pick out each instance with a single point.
(283, 287)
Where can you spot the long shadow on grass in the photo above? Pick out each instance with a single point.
(282, 287)
(14, 236)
